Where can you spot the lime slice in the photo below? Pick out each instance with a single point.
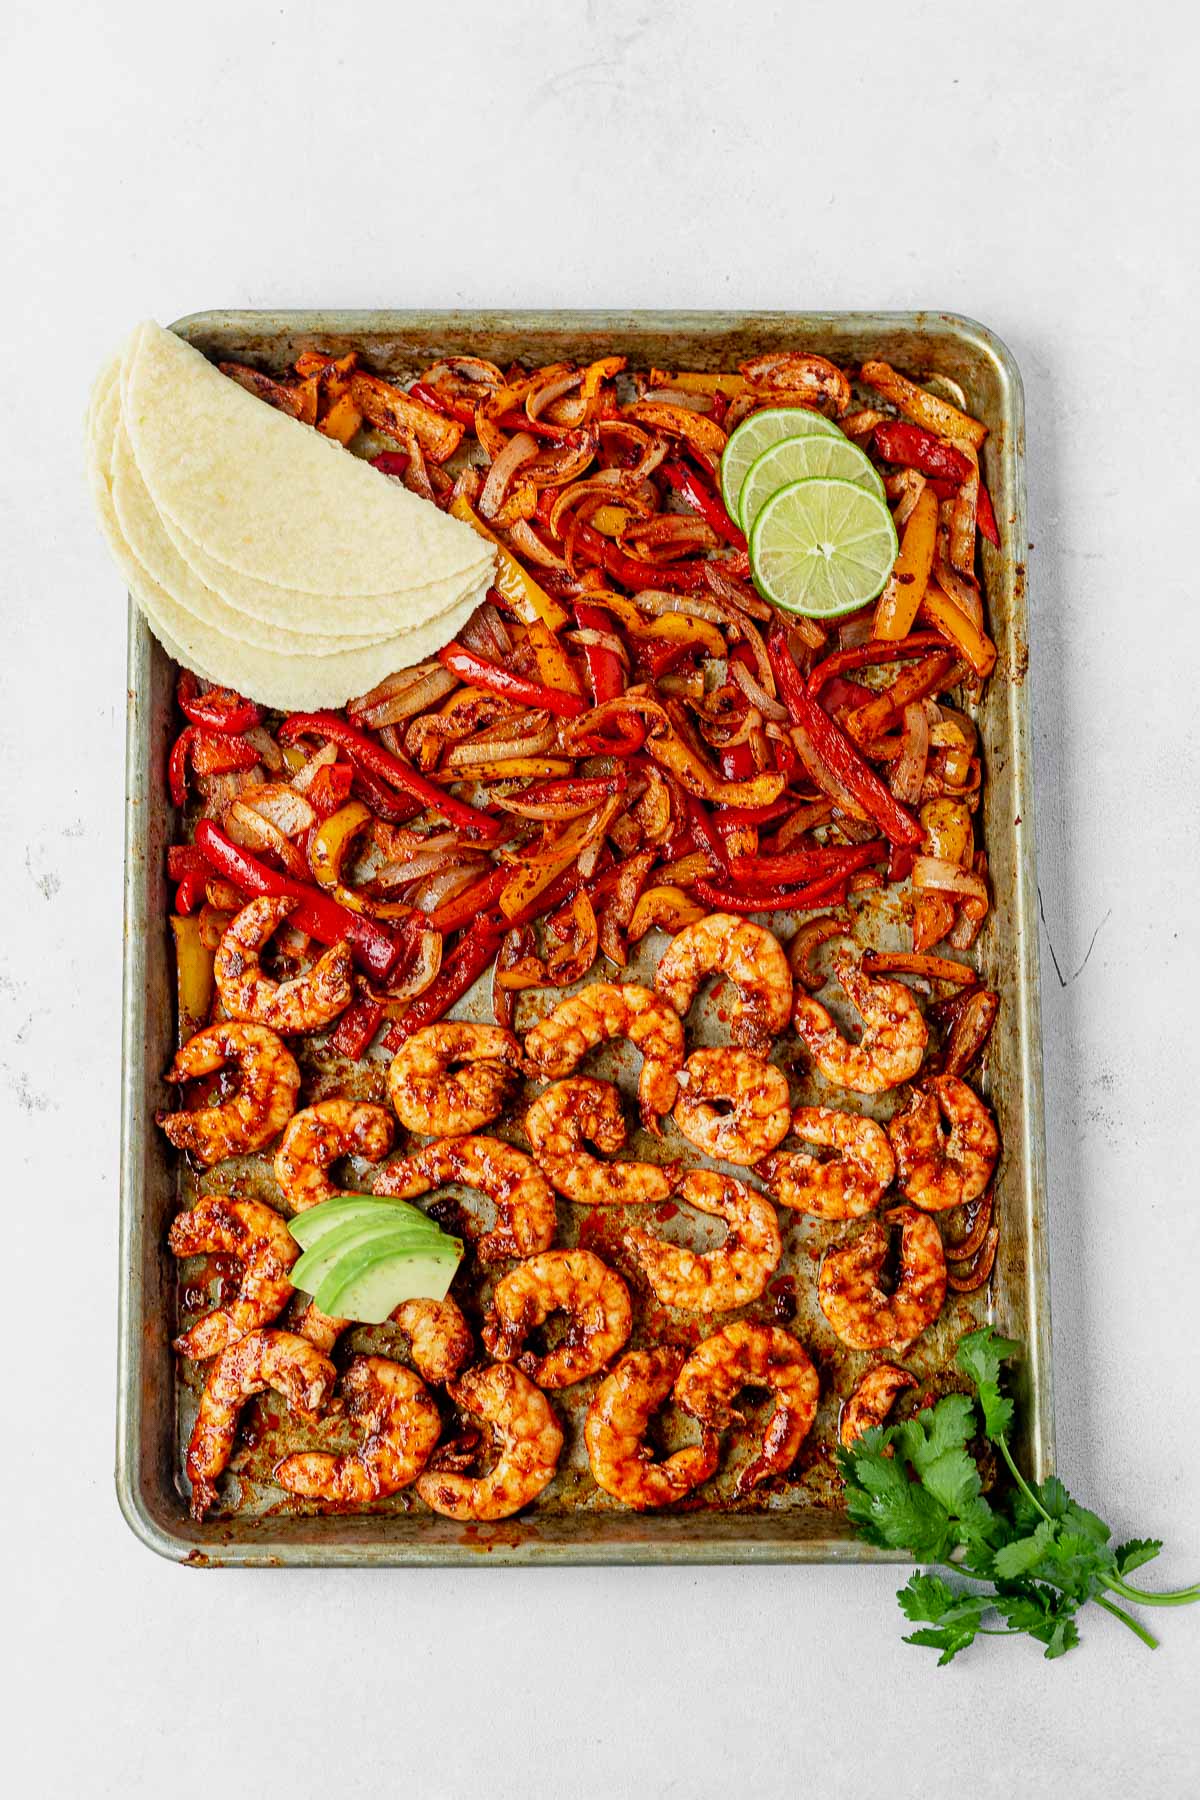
(758, 433)
(799, 459)
(822, 547)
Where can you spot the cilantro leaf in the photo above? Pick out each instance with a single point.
(1024, 1554)
(1135, 1552)
(980, 1356)
(957, 1616)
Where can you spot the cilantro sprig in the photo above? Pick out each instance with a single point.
(1036, 1556)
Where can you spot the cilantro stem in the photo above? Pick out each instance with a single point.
(1141, 1597)
(1118, 1612)
(1020, 1480)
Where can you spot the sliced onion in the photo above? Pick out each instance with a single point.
(253, 832)
(491, 749)
(539, 398)
(402, 696)
(269, 752)
(979, 1218)
(857, 629)
(486, 633)
(324, 758)
(960, 589)
(391, 875)
(437, 889)
(602, 640)
(970, 1031)
(521, 448)
(956, 722)
(948, 878)
(668, 535)
(525, 539)
(422, 973)
(735, 593)
(279, 803)
(908, 776)
(756, 695)
(964, 1279)
(607, 487)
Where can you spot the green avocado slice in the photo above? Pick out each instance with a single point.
(371, 1280)
(309, 1227)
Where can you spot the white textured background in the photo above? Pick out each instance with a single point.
(1033, 165)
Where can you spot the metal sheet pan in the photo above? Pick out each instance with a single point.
(572, 1523)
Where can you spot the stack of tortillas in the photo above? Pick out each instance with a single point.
(263, 555)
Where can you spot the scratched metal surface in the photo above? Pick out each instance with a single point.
(798, 1516)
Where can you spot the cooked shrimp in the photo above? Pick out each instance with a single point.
(872, 1400)
(594, 1298)
(615, 1430)
(608, 1010)
(751, 958)
(398, 1415)
(319, 1136)
(305, 1003)
(736, 1271)
(440, 1341)
(937, 1171)
(436, 1096)
(529, 1439)
(262, 1106)
(756, 1091)
(262, 1359)
(584, 1109)
(266, 1248)
(524, 1200)
(854, 1303)
(747, 1355)
(851, 1183)
(893, 1040)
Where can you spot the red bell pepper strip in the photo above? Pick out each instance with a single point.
(541, 428)
(875, 650)
(634, 573)
(821, 862)
(356, 1028)
(384, 801)
(185, 859)
(377, 761)
(329, 788)
(472, 903)
(737, 763)
(900, 862)
(373, 947)
(831, 890)
(834, 749)
(460, 971)
(705, 834)
(220, 709)
(702, 499)
(190, 892)
(481, 673)
(914, 448)
(390, 462)
(606, 673)
(589, 789)
(209, 753)
(985, 517)
(728, 817)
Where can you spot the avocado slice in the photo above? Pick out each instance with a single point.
(309, 1227)
(311, 1269)
(372, 1279)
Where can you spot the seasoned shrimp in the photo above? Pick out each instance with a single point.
(529, 1440)
(736, 1271)
(396, 1411)
(608, 1010)
(305, 1003)
(524, 1199)
(439, 1338)
(266, 1248)
(434, 1095)
(751, 958)
(893, 1040)
(615, 1431)
(851, 1183)
(756, 1091)
(851, 1298)
(576, 1282)
(262, 1106)
(937, 1171)
(747, 1355)
(262, 1359)
(320, 1135)
(584, 1109)
(872, 1400)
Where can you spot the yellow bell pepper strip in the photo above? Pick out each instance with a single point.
(954, 625)
(514, 768)
(667, 907)
(901, 599)
(480, 673)
(366, 754)
(551, 660)
(193, 975)
(699, 381)
(925, 409)
(917, 682)
(391, 410)
(515, 584)
(328, 849)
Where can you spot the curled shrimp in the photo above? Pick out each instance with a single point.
(396, 1412)
(524, 1199)
(440, 1341)
(893, 1040)
(260, 1239)
(262, 1106)
(614, 1433)
(262, 1359)
(321, 1135)
(452, 1078)
(305, 1003)
(747, 1355)
(757, 1093)
(851, 1298)
(937, 1171)
(752, 959)
(583, 1110)
(736, 1271)
(605, 1010)
(528, 1436)
(872, 1400)
(576, 1282)
(851, 1183)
